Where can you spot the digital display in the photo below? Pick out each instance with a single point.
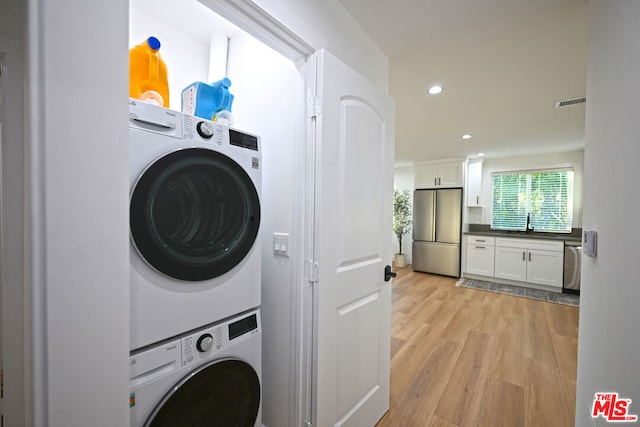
(243, 140)
(243, 326)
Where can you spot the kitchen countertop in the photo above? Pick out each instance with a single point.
(575, 235)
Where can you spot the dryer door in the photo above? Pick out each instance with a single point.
(194, 214)
(221, 394)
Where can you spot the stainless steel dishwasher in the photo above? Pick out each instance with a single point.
(572, 256)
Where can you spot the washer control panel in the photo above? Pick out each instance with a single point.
(146, 365)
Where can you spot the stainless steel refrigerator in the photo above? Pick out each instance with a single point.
(437, 222)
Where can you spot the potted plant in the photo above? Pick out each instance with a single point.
(401, 221)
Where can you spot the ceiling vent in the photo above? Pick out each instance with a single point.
(568, 102)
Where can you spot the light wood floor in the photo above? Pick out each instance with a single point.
(464, 357)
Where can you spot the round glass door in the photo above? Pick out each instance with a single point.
(222, 394)
(194, 214)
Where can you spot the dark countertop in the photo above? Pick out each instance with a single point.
(485, 230)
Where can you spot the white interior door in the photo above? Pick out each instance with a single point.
(353, 206)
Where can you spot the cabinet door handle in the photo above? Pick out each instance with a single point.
(477, 200)
(529, 256)
(439, 181)
(480, 247)
(523, 255)
(435, 181)
(481, 240)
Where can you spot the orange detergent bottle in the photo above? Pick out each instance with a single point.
(148, 73)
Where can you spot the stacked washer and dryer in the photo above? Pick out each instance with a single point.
(194, 271)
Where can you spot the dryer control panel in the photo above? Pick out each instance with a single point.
(205, 130)
(205, 343)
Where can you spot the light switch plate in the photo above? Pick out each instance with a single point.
(590, 243)
(281, 244)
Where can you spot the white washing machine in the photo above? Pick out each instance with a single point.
(211, 377)
(194, 222)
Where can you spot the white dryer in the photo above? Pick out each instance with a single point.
(194, 222)
(211, 377)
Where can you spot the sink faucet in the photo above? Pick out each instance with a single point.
(528, 228)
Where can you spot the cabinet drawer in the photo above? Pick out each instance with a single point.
(538, 244)
(481, 240)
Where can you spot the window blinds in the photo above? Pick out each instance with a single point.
(545, 194)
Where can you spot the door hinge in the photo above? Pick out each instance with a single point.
(311, 271)
(314, 106)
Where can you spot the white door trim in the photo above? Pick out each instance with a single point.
(256, 21)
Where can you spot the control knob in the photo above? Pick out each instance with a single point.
(205, 129)
(204, 343)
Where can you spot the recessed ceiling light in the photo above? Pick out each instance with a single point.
(466, 136)
(480, 154)
(434, 90)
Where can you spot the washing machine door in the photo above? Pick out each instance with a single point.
(194, 214)
(221, 394)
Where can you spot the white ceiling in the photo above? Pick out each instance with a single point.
(503, 65)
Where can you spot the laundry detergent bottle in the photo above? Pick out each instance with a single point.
(148, 73)
(205, 100)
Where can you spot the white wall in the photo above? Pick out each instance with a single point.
(78, 202)
(573, 159)
(269, 91)
(326, 24)
(608, 341)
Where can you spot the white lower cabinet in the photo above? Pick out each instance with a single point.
(528, 260)
(511, 264)
(545, 267)
(533, 261)
(480, 255)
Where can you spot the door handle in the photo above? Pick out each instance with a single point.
(523, 255)
(529, 256)
(388, 274)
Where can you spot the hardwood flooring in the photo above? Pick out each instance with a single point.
(464, 357)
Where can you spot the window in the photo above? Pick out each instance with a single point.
(547, 195)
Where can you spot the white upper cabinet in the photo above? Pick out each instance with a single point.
(438, 175)
(474, 184)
